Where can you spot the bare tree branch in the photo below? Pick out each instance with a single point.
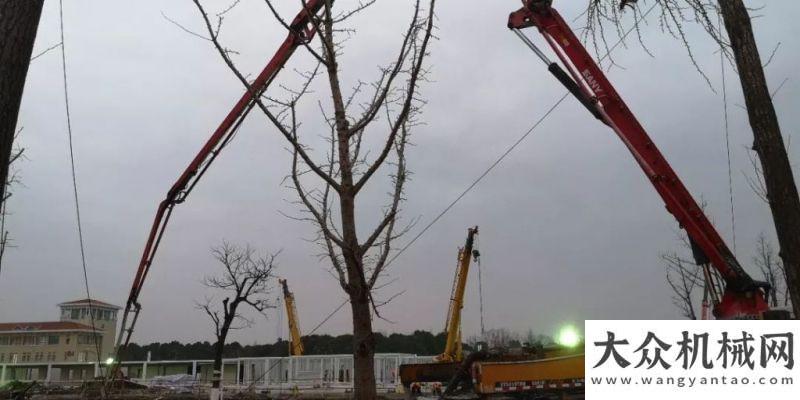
(683, 278)
(224, 54)
(246, 279)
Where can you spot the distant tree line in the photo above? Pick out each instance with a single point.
(419, 342)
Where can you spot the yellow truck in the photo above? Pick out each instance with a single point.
(556, 376)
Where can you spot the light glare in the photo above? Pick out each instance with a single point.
(568, 336)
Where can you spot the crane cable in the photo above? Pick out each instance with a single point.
(279, 326)
(75, 179)
(476, 255)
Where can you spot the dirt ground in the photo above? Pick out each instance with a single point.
(153, 395)
(189, 396)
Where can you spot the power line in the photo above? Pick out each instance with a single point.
(74, 177)
(510, 148)
(727, 135)
(328, 317)
(478, 179)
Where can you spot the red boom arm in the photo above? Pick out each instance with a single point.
(743, 297)
(301, 30)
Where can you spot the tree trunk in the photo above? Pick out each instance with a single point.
(219, 348)
(18, 23)
(768, 142)
(363, 339)
(363, 350)
(217, 367)
(216, 370)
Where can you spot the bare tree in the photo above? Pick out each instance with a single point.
(685, 279)
(689, 282)
(739, 45)
(502, 338)
(245, 281)
(367, 129)
(12, 178)
(538, 339)
(19, 21)
(773, 271)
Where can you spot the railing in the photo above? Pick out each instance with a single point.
(332, 373)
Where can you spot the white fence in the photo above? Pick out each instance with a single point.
(300, 372)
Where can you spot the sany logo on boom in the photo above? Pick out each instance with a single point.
(591, 81)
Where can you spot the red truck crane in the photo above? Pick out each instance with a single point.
(742, 297)
(301, 30)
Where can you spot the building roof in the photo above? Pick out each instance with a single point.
(94, 303)
(43, 326)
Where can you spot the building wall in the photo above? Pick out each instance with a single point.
(68, 345)
(105, 321)
(46, 347)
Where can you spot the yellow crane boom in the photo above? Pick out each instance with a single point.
(296, 344)
(452, 348)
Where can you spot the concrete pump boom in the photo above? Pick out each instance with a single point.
(743, 297)
(301, 30)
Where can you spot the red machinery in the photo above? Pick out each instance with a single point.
(743, 297)
(301, 31)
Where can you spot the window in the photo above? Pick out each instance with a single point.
(84, 313)
(51, 356)
(26, 357)
(16, 341)
(4, 340)
(82, 356)
(75, 313)
(52, 340)
(38, 356)
(89, 339)
(43, 340)
(2, 357)
(14, 358)
(29, 340)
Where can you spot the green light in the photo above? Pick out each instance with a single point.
(568, 336)
(110, 360)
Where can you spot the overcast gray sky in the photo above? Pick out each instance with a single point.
(570, 228)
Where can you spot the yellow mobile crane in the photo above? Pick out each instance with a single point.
(489, 369)
(296, 344)
(450, 359)
(452, 349)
